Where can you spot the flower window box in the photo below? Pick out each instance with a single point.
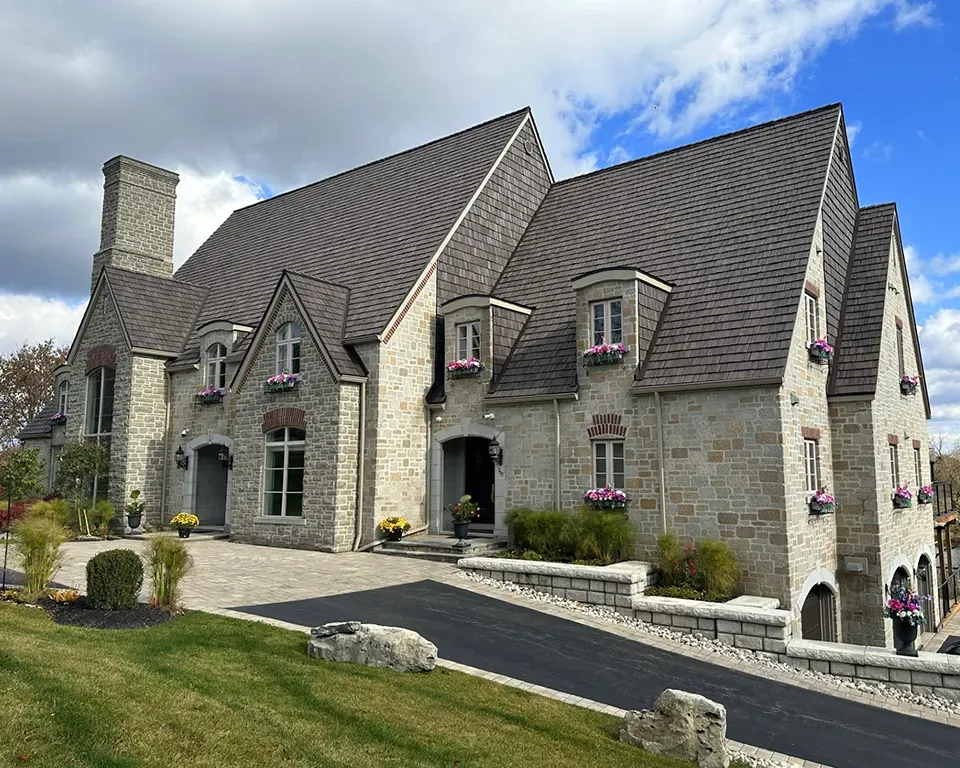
(821, 352)
(902, 498)
(822, 503)
(604, 354)
(605, 498)
(58, 419)
(210, 396)
(462, 369)
(909, 385)
(281, 382)
(925, 494)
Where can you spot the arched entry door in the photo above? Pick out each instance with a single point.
(818, 616)
(210, 501)
(925, 589)
(468, 469)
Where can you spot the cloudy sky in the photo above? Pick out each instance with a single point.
(250, 97)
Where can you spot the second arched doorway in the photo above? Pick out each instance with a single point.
(818, 615)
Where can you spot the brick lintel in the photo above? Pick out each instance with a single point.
(916, 444)
(893, 439)
(899, 322)
(813, 289)
(810, 433)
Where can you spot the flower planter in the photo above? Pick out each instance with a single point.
(134, 521)
(820, 356)
(463, 373)
(59, 420)
(905, 634)
(460, 530)
(923, 498)
(210, 399)
(900, 503)
(907, 388)
(394, 535)
(606, 504)
(279, 386)
(183, 533)
(816, 508)
(603, 358)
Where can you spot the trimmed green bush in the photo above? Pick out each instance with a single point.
(37, 540)
(114, 579)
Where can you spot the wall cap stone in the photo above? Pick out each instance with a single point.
(870, 656)
(704, 610)
(632, 572)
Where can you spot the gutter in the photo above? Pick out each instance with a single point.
(168, 396)
(361, 460)
(766, 382)
(660, 460)
(556, 482)
(518, 399)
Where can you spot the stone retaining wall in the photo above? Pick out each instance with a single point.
(613, 585)
(923, 674)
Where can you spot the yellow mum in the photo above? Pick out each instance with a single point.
(185, 520)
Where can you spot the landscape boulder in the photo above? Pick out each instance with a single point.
(681, 725)
(402, 650)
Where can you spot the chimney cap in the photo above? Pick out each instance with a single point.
(122, 161)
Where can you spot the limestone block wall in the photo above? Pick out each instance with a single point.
(145, 436)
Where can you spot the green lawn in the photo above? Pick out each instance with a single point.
(210, 691)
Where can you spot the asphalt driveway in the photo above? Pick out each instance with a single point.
(522, 643)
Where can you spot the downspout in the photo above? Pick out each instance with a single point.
(168, 380)
(660, 460)
(556, 453)
(361, 456)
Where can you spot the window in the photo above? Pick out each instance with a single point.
(283, 480)
(468, 341)
(903, 369)
(607, 322)
(288, 348)
(812, 314)
(63, 397)
(917, 464)
(894, 467)
(216, 366)
(811, 464)
(98, 424)
(608, 464)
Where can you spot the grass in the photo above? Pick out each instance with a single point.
(204, 690)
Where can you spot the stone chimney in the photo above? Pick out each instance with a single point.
(136, 231)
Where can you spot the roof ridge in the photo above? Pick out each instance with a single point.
(709, 140)
(370, 163)
(892, 204)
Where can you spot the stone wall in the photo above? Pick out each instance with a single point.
(145, 434)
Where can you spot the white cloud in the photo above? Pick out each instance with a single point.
(619, 154)
(25, 318)
(879, 150)
(921, 134)
(909, 14)
(853, 130)
(943, 264)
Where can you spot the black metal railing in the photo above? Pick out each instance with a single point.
(943, 498)
(949, 592)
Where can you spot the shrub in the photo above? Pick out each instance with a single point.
(719, 571)
(685, 593)
(114, 579)
(169, 562)
(103, 513)
(599, 534)
(38, 541)
(58, 510)
(676, 564)
(531, 555)
(538, 529)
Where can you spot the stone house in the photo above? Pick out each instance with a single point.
(716, 266)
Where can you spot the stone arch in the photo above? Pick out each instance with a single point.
(900, 561)
(189, 486)
(606, 425)
(926, 586)
(466, 428)
(820, 589)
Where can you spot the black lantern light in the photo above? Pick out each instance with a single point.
(183, 461)
(226, 458)
(496, 454)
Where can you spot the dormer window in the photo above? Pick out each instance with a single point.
(288, 348)
(468, 341)
(607, 322)
(216, 366)
(811, 318)
(63, 397)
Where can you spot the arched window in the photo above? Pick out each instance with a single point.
(818, 615)
(216, 366)
(63, 397)
(98, 423)
(283, 473)
(288, 348)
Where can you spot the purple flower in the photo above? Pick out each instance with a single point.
(209, 391)
(903, 493)
(470, 364)
(605, 494)
(912, 381)
(822, 497)
(282, 378)
(606, 349)
(822, 345)
(926, 490)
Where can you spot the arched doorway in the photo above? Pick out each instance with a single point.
(925, 583)
(900, 578)
(818, 616)
(210, 504)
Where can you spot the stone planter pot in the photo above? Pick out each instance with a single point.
(134, 521)
(394, 535)
(819, 356)
(608, 358)
(905, 634)
(899, 503)
(184, 533)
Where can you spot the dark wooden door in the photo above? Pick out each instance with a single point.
(479, 478)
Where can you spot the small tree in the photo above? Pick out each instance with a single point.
(21, 477)
(80, 464)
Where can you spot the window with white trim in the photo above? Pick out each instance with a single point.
(468, 341)
(903, 367)
(917, 466)
(283, 473)
(98, 421)
(216, 375)
(288, 348)
(607, 319)
(812, 317)
(811, 464)
(63, 397)
(608, 468)
(894, 466)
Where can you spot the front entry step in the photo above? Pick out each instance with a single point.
(440, 548)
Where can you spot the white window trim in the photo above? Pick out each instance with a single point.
(811, 316)
(217, 362)
(63, 397)
(918, 466)
(99, 435)
(901, 353)
(894, 466)
(286, 444)
(606, 336)
(609, 472)
(468, 341)
(811, 465)
(284, 347)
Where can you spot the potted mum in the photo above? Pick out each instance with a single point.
(605, 498)
(393, 528)
(281, 382)
(905, 607)
(462, 514)
(209, 396)
(901, 497)
(184, 523)
(909, 384)
(821, 352)
(604, 354)
(461, 369)
(925, 494)
(133, 509)
(58, 419)
(822, 503)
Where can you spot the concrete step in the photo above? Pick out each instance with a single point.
(437, 557)
(440, 548)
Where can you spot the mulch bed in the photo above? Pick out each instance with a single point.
(79, 614)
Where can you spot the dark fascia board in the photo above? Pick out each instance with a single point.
(637, 274)
(103, 284)
(493, 399)
(738, 384)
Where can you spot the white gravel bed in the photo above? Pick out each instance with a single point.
(697, 640)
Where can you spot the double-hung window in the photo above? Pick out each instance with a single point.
(608, 463)
(98, 422)
(607, 319)
(917, 466)
(811, 465)
(900, 361)
(811, 317)
(288, 348)
(894, 466)
(283, 480)
(63, 397)
(217, 366)
(468, 341)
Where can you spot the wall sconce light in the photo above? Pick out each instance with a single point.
(496, 454)
(226, 458)
(183, 461)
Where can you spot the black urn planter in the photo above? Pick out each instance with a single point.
(184, 533)
(134, 521)
(460, 530)
(905, 634)
(395, 535)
